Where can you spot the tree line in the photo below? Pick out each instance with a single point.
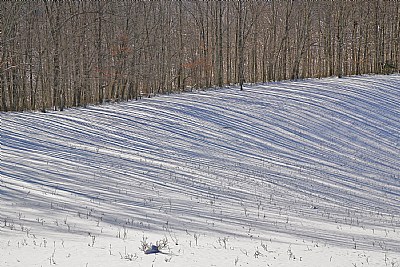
(59, 54)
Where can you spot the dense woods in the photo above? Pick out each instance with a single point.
(59, 54)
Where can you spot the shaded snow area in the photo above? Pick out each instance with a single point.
(281, 174)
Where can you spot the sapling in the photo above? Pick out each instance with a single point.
(264, 246)
(93, 240)
(244, 252)
(223, 241)
(125, 232)
(52, 261)
(144, 244)
(163, 243)
(128, 256)
(257, 253)
(174, 238)
(290, 253)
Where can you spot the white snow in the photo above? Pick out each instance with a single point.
(281, 174)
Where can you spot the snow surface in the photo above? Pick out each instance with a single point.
(281, 174)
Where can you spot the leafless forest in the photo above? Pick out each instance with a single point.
(61, 54)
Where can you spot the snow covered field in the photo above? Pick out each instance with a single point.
(282, 174)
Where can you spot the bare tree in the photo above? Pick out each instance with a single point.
(91, 52)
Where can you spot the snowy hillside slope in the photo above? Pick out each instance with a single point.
(281, 174)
